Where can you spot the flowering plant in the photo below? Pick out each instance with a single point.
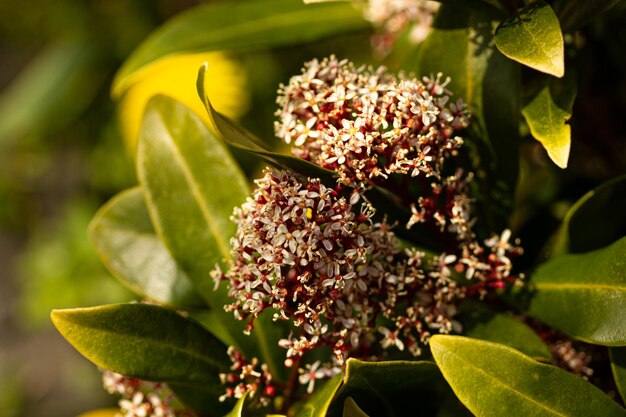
(371, 269)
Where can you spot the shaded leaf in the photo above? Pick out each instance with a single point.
(494, 380)
(123, 235)
(594, 221)
(533, 37)
(239, 25)
(317, 405)
(390, 388)
(144, 341)
(547, 111)
(191, 184)
(618, 366)
(202, 398)
(351, 409)
(461, 46)
(480, 322)
(575, 13)
(584, 295)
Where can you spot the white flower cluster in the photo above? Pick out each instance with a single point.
(139, 398)
(367, 124)
(320, 262)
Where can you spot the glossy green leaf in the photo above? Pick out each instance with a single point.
(480, 322)
(618, 366)
(460, 45)
(493, 380)
(547, 111)
(123, 235)
(351, 409)
(533, 37)
(144, 341)
(239, 26)
(318, 404)
(584, 295)
(575, 13)
(191, 184)
(390, 388)
(594, 221)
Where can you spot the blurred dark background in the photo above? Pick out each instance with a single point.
(62, 155)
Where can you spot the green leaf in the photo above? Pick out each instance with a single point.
(584, 295)
(460, 45)
(547, 110)
(351, 409)
(618, 366)
(390, 388)
(481, 322)
(237, 411)
(533, 37)
(494, 380)
(144, 341)
(239, 25)
(51, 91)
(317, 405)
(576, 13)
(123, 235)
(594, 221)
(191, 184)
(202, 398)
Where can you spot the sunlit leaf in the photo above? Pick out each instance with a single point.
(547, 110)
(125, 240)
(460, 45)
(594, 221)
(533, 37)
(239, 25)
(237, 411)
(493, 380)
(144, 341)
(584, 295)
(191, 184)
(175, 76)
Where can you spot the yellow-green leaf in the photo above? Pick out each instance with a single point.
(238, 25)
(547, 110)
(584, 295)
(192, 184)
(104, 412)
(123, 235)
(493, 380)
(144, 341)
(318, 404)
(351, 409)
(533, 37)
